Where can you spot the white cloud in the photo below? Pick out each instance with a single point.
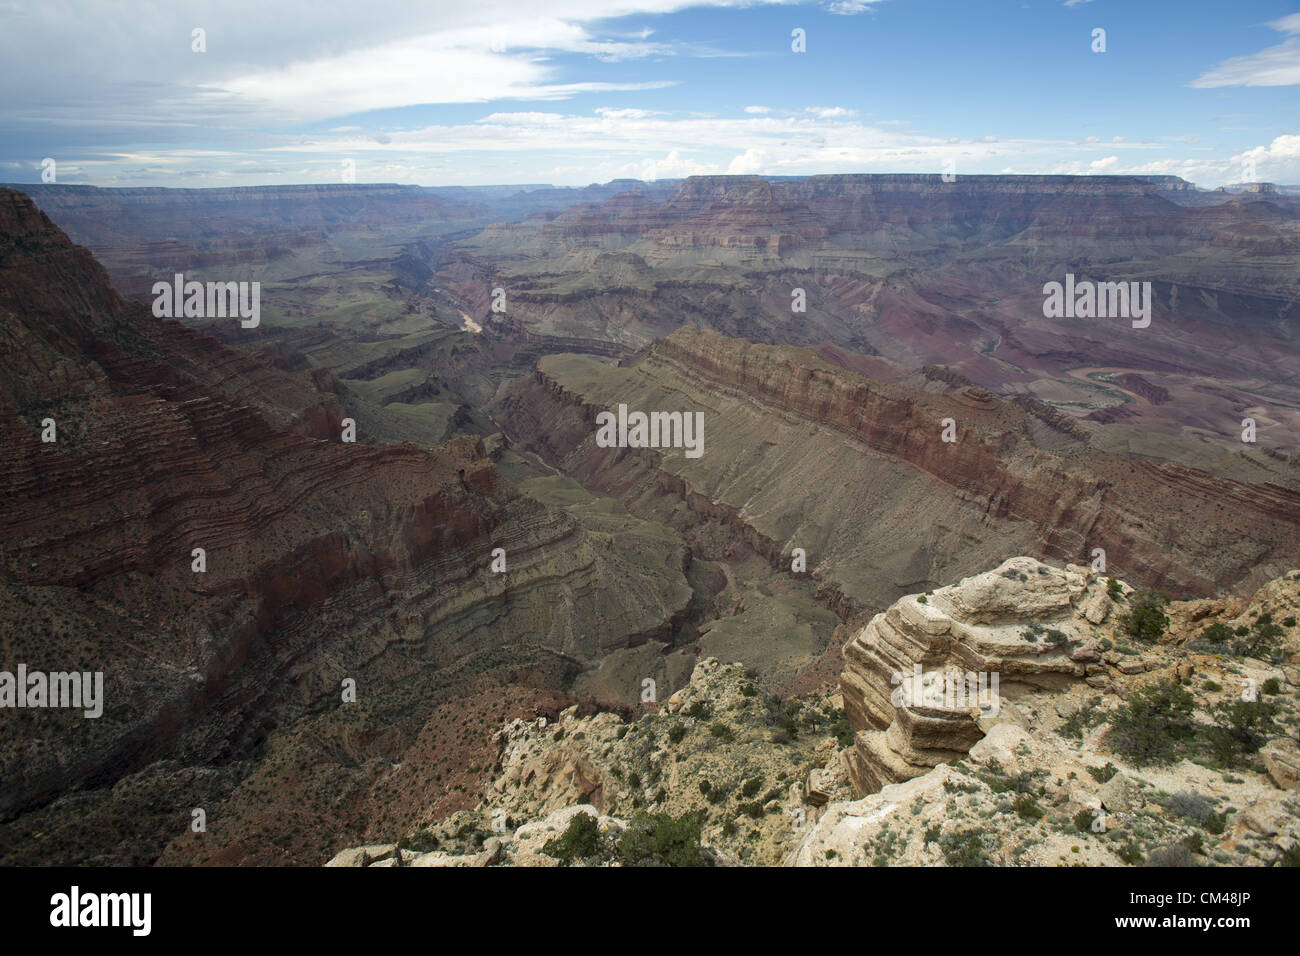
(758, 109)
(829, 112)
(625, 113)
(1278, 162)
(750, 162)
(849, 8)
(1276, 66)
(677, 166)
(264, 68)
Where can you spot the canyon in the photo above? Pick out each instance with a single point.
(918, 424)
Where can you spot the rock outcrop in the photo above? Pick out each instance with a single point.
(1040, 779)
(919, 678)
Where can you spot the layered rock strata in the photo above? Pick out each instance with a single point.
(919, 678)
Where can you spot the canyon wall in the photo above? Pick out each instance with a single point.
(800, 451)
(323, 560)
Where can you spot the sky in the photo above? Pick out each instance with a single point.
(571, 92)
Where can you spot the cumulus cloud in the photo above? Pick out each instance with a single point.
(750, 162)
(1278, 162)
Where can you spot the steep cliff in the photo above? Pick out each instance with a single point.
(322, 561)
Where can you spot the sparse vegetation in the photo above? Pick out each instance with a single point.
(1146, 620)
(1240, 730)
(1155, 726)
(966, 848)
(657, 839)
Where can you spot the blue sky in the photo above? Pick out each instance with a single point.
(578, 91)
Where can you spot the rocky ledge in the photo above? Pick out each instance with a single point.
(919, 678)
(1100, 747)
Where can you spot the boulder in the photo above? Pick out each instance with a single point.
(1122, 794)
(1282, 763)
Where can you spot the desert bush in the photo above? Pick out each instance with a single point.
(1217, 633)
(1240, 728)
(657, 839)
(1155, 726)
(1176, 854)
(579, 841)
(967, 848)
(1261, 640)
(1146, 619)
(1103, 774)
(1190, 806)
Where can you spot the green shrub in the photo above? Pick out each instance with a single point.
(842, 731)
(1114, 589)
(1241, 728)
(580, 840)
(425, 841)
(1288, 857)
(657, 839)
(722, 731)
(1146, 621)
(1130, 853)
(1216, 633)
(1155, 725)
(676, 732)
(699, 710)
(1259, 641)
(968, 848)
(1103, 774)
(1027, 807)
